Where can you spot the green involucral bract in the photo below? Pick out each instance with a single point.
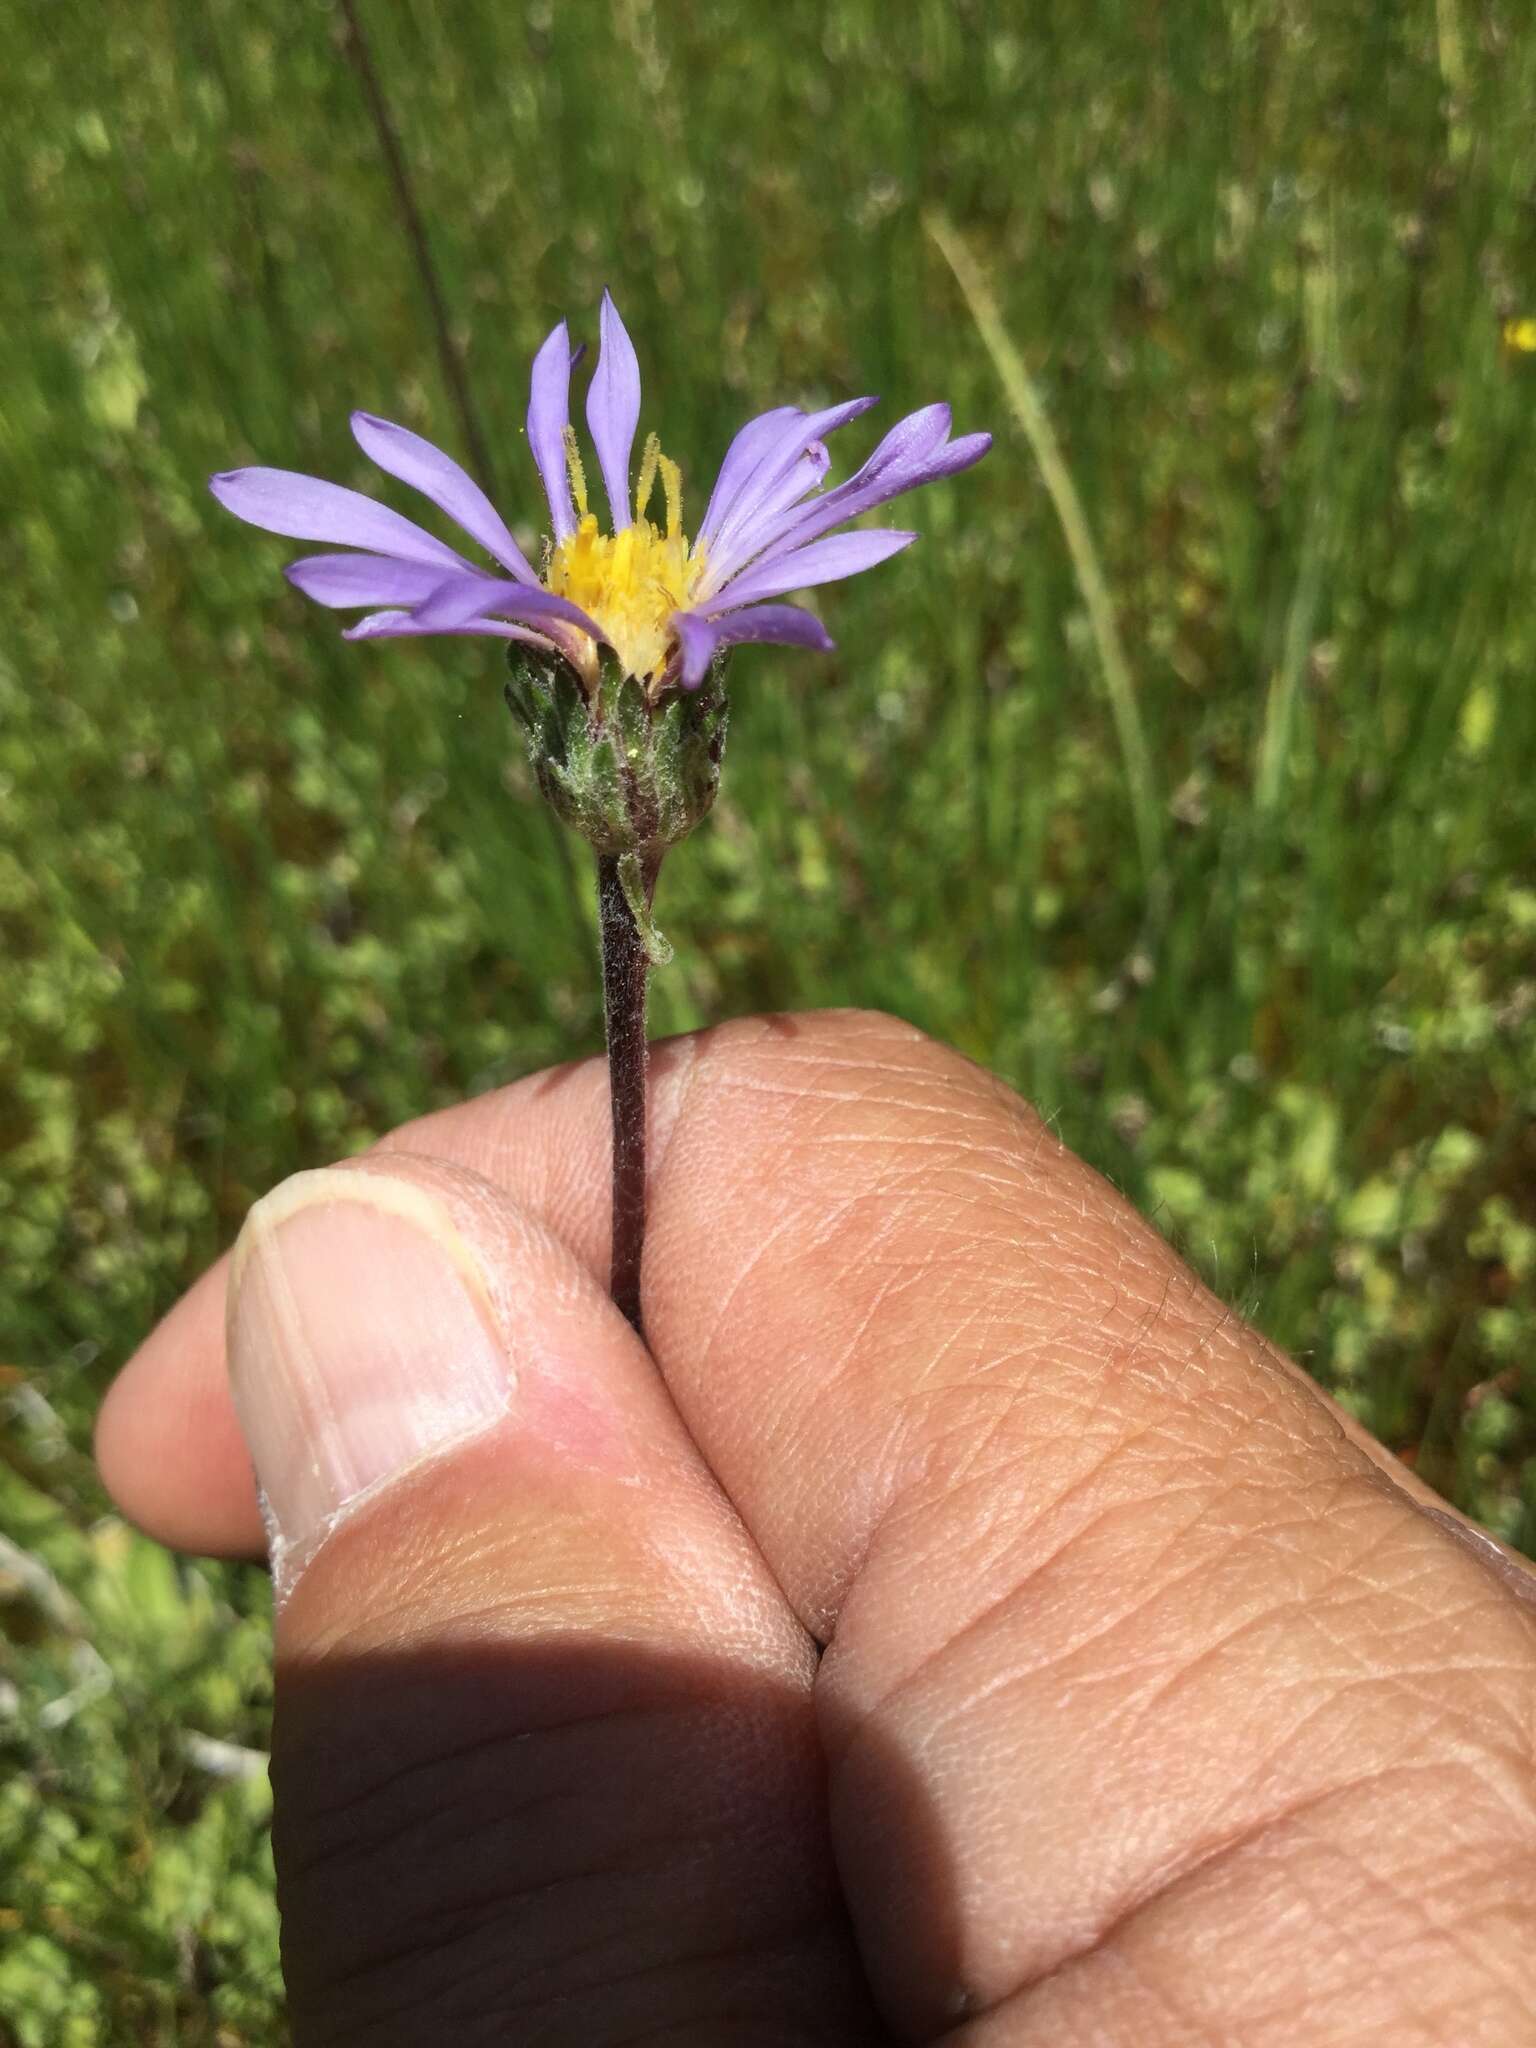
(632, 777)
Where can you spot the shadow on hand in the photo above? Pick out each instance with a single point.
(561, 1842)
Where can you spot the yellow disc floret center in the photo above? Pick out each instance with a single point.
(631, 582)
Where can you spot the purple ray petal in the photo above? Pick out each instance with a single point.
(701, 639)
(741, 458)
(914, 436)
(824, 561)
(768, 475)
(437, 476)
(549, 414)
(785, 450)
(906, 469)
(395, 625)
(458, 599)
(307, 508)
(342, 580)
(613, 410)
(805, 474)
(733, 549)
(901, 451)
(958, 455)
(893, 482)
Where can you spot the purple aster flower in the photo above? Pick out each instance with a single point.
(664, 605)
(613, 674)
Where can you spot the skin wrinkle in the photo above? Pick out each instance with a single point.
(1117, 2015)
(467, 1924)
(726, 1831)
(1123, 1918)
(478, 1918)
(1324, 1573)
(479, 1559)
(451, 1760)
(478, 1555)
(1324, 1903)
(751, 1949)
(973, 1160)
(855, 1209)
(465, 1979)
(932, 1446)
(1195, 2028)
(944, 1484)
(1412, 1585)
(996, 1611)
(827, 1232)
(1043, 1342)
(1171, 1890)
(1520, 1711)
(638, 1860)
(842, 1750)
(815, 1103)
(880, 1460)
(710, 1338)
(930, 1264)
(400, 1619)
(1412, 1741)
(961, 1153)
(1006, 1386)
(898, 1530)
(554, 1606)
(1489, 1584)
(1166, 1692)
(1191, 1335)
(808, 1104)
(1416, 1905)
(1339, 1626)
(1144, 1327)
(881, 1035)
(911, 1273)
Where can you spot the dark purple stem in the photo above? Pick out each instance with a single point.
(625, 970)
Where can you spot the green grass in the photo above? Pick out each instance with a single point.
(262, 895)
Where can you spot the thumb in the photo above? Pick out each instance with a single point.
(544, 1765)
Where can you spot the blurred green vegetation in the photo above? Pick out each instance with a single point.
(262, 895)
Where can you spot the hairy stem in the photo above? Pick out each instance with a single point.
(625, 971)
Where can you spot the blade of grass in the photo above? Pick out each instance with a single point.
(1453, 70)
(1029, 410)
(1279, 729)
(1285, 687)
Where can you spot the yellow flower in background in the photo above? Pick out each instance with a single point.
(1520, 335)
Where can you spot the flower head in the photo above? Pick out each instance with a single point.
(664, 605)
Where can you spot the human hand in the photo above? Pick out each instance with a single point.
(965, 1627)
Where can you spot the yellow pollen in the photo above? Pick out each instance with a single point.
(672, 485)
(647, 483)
(630, 582)
(577, 474)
